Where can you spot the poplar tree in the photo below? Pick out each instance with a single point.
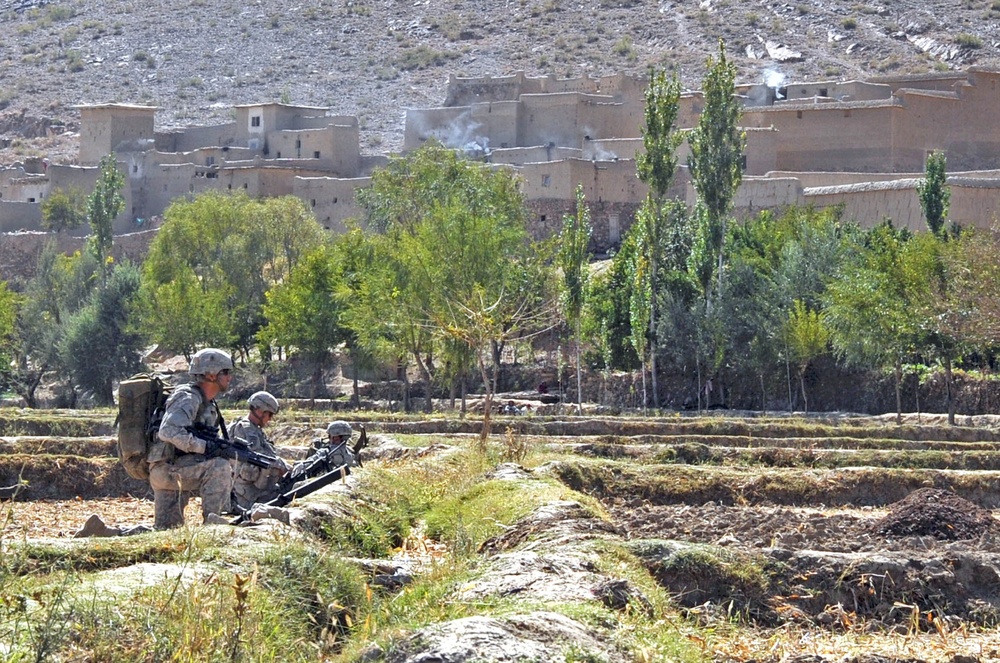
(716, 159)
(104, 204)
(656, 167)
(572, 258)
(934, 193)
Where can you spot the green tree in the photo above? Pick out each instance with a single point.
(10, 302)
(452, 260)
(656, 166)
(807, 339)
(574, 250)
(61, 286)
(100, 344)
(104, 205)
(870, 308)
(64, 209)
(716, 159)
(211, 263)
(303, 312)
(934, 193)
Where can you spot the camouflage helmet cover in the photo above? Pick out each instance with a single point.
(262, 400)
(339, 428)
(210, 361)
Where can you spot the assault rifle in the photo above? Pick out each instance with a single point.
(291, 485)
(236, 448)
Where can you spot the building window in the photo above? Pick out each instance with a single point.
(278, 155)
(209, 161)
(822, 92)
(245, 185)
(313, 202)
(135, 168)
(31, 200)
(798, 114)
(335, 200)
(316, 154)
(298, 143)
(614, 229)
(255, 121)
(542, 218)
(546, 180)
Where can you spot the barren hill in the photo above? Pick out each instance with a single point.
(374, 58)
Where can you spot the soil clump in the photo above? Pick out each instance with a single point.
(938, 513)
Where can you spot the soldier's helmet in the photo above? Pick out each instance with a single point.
(210, 361)
(339, 428)
(262, 400)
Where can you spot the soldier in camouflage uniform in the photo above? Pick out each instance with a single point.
(182, 465)
(254, 484)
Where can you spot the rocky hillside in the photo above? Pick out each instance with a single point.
(374, 58)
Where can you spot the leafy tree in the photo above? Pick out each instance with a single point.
(934, 193)
(104, 204)
(61, 286)
(452, 260)
(807, 339)
(210, 265)
(870, 309)
(656, 166)
(100, 344)
(574, 242)
(716, 159)
(303, 312)
(9, 304)
(64, 209)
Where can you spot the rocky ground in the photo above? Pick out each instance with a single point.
(375, 58)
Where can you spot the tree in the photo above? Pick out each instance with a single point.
(211, 263)
(870, 308)
(656, 166)
(100, 344)
(574, 243)
(452, 260)
(61, 286)
(934, 193)
(64, 209)
(104, 205)
(807, 339)
(9, 304)
(716, 159)
(303, 312)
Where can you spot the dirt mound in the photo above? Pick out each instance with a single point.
(938, 513)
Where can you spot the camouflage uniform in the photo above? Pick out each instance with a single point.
(178, 467)
(254, 484)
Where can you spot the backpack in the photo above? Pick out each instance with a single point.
(141, 401)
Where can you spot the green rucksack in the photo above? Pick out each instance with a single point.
(141, 401)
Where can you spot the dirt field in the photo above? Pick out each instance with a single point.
(772, 521)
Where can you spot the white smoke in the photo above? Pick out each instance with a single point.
(774, 80)
(462, 133)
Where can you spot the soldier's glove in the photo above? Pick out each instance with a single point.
(219, 449)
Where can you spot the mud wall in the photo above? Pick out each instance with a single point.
(19, 251)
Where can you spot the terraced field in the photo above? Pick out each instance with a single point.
(828, 524)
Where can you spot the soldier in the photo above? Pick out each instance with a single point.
(338, 435)
(182, 465)
(254, 484)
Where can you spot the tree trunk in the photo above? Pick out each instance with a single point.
(948, 390)
(802, 386)
(898, 371)
(579, 378)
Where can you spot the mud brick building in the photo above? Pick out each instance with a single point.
(859, 144)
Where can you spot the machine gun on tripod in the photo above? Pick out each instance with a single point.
(321, 469)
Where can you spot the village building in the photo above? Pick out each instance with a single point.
(861, 145)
